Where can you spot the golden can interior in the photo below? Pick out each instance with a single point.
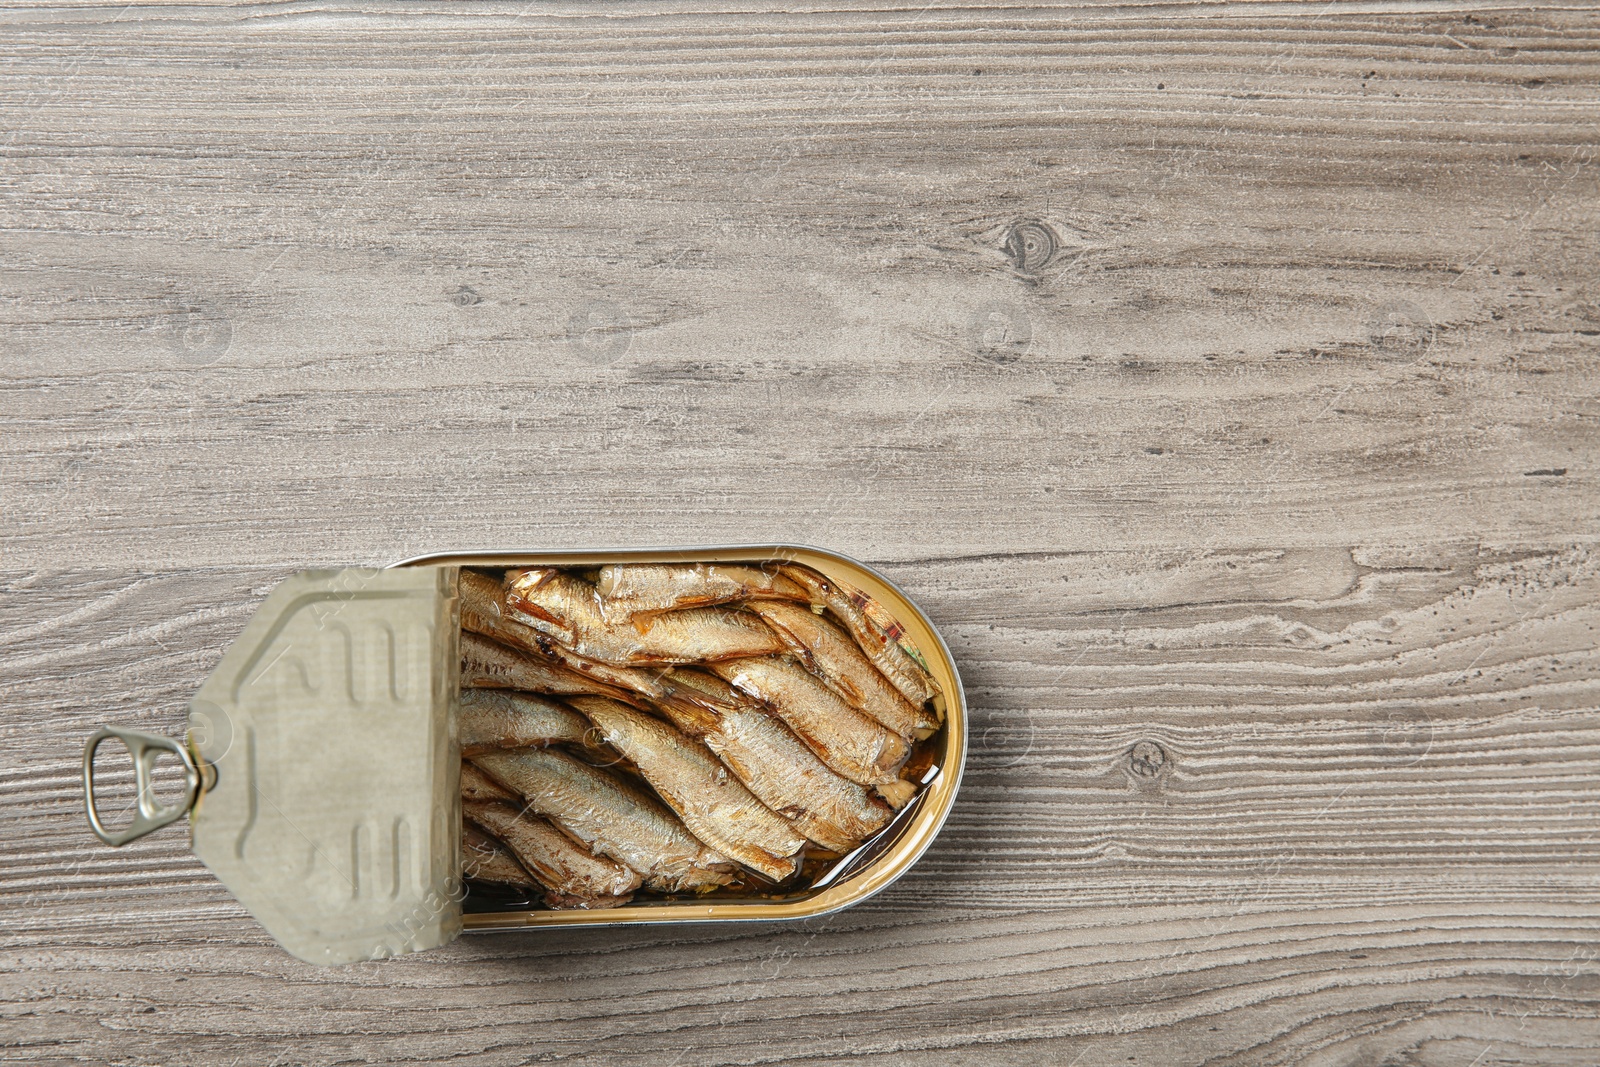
(622, 645)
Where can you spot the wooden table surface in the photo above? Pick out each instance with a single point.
(1223, 379)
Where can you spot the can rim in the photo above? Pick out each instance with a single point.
(937, 799)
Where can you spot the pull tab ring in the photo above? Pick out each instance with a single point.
(151, 814)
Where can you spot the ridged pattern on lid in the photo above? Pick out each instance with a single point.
(330, 725)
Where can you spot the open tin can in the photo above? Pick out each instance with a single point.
(323, 763)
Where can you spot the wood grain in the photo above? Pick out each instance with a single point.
(396, 279)
(1221, 378)
(1325, 806)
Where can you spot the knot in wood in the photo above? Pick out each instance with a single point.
(1031, 245)
(1147, 759)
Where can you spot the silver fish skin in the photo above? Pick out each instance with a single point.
(505, 718)
(613, 818)
(861, 749)
(697, 688)
(547, 598)
(487, 664)
(563, 866)
(484, 860)
(685, 688)
(834, 656)
(475, 785)
(896, 664)
(713, 803)
(532, 656)
(482, 602)
(568, 609)
(697, 635)
(629, 588)
(784, 774)
(607, 679)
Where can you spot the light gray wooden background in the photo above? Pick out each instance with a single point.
(1224, 379)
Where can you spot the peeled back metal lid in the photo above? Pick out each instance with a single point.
(327, 735)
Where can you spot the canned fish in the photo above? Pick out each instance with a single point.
(500, 740)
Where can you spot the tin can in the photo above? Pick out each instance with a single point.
(323, 768)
